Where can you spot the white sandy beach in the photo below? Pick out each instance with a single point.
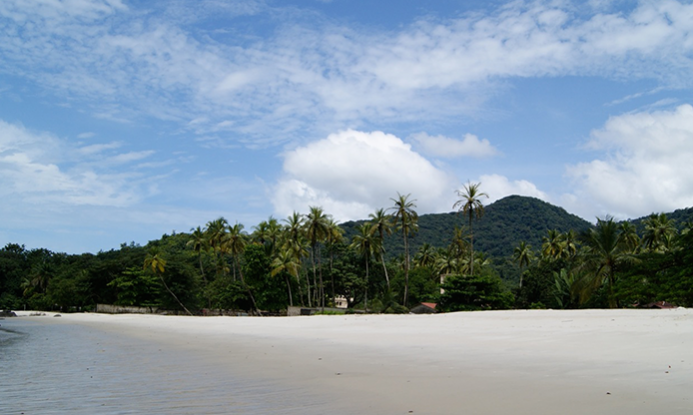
(498, 362)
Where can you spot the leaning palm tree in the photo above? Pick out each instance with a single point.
(157, 263)
(317, 228)
(382, 224)
(364, 243)
(405, 219)
(470, 204)
(604, 252)
(523, 255)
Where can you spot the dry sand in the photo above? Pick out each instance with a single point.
(496, 362)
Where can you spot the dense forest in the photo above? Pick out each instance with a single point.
(518, 252)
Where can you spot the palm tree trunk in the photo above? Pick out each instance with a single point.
(173, 295)
(406, 269)
(247, 288)
(288, 287)
(387, 278)
(365, 301)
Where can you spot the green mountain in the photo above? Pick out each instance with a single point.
(505, 223)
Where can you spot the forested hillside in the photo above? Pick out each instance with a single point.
(505, 224)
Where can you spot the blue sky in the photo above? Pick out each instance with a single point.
(122, 120)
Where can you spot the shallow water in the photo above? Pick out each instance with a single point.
(49, 367)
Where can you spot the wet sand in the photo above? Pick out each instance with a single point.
(496, 362)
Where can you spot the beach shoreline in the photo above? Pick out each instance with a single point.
(519, 361)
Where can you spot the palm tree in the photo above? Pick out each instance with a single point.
(286, 261)
(659, 232)
(604, 251)
(523, 255)
(335, 234)
(406, 219)
(317, 228)
(293, 239)
(382, 223)
(198, 242)
(157, 263)
(570, 248)
(363, 242)
(215, 231)
(425, 256)
(470, 204)
(630, 237)
(552, 245)
(234, 244)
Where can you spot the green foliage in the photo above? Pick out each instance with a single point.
(476, 292)
(135, 287)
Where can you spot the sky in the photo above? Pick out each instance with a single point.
(123, 120)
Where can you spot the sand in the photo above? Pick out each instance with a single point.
(494, 362)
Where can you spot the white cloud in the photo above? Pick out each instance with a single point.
(322, 77)
(646, 166)
(498, 187)
(441, 146)
(38, 168)
(353, 173)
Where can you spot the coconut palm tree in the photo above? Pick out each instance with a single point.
(523, 255)
(234, 244)
(659, 233)
(405, 219)
(335, 235)
(293, 239)
(198, 242)
(470, 205)
(630, 237)
(382, 224)
(157, 264)
(425, 256)
(364, 243)
(287, 262)
(317, 228)
(604, 252)
(552, 245)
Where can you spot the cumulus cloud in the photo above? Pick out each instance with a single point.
(353, 173)
(441, 146)
(498, 187)
(646, 165)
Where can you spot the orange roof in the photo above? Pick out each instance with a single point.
(430, 305)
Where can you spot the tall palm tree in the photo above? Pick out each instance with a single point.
(198, 242)
(425, 256)
(630, 236)
(406, 219)
(659, 232)
(553, 245)
(604, 252)
(157, 264)
(570, 247)
(364, 243)
(215, 231)
(234, 244)
(317, 228)
(523, 256)
(287, 262)
(335, 235)
(293, 238)
(470, 204)
(382, 224)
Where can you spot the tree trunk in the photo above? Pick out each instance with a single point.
(173, 295)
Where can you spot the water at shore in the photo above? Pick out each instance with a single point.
(50, 367)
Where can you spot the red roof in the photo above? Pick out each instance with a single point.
(430, 305)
